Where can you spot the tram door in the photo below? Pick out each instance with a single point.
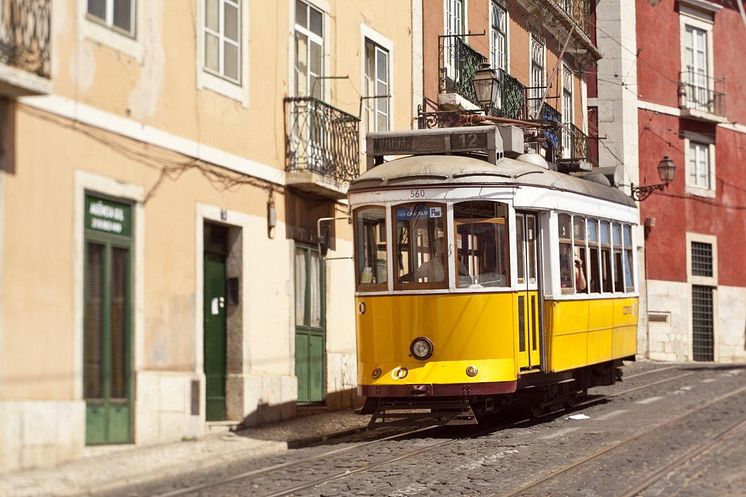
(527, 298)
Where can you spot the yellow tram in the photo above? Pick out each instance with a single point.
(484, 281)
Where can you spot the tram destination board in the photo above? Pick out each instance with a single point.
(436, 141)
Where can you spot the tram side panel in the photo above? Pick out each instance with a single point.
(585, 332)
(466, 330)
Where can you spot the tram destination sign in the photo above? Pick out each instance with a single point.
(434, 141)
(108, 216)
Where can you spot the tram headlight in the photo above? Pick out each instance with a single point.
(421, 348)
(376, 373)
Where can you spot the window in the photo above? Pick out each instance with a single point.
(454, 25)
(377, 112)
(629, 283)
(222, 42)
(370, 240)
(696, 75)
(701, 259)
(537, 74)
(421, 252)
(482, 249)
(567, 111)
(565, 253)
(499, 31)
(698, 165)
(616, 239)
(309, 51)
(594, 275)
(118, 15)
(606, 281)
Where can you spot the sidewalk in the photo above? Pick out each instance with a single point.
(140, 464)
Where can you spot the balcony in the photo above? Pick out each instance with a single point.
(701, 97)
(575, 147)
(322, 147)
(25, 28)
(512, 102)
(457, 63)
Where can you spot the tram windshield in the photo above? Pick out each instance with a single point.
(421, 248)
(370, 258)
(482, 245)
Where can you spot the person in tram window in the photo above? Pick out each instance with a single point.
(434, 269)
(580, 283)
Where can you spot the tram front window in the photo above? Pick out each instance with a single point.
(370, 256)
(482, 249)
(421, 250)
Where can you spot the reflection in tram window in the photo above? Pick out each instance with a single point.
(370, 237)
(579, 255)
(482, 257)
(594, 277)
(565, 253)
(520, 248)
(420, 254)
(531, 237)
(629, 284)
(616, 238)
(606, 257)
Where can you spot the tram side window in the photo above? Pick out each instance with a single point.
(629, 284)
(370, 243)
(616, 238)
(482, 257)
(594, 275)
(565, 253)
(580, 261)
(421, 248)
(606, 283)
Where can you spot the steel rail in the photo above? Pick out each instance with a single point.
(257, 472)
(275, 467)
(684, 458)
(666, 380)
(651, 371)
(614, 446)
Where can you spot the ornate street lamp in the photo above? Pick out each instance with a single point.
(666, 169)
(486, 86)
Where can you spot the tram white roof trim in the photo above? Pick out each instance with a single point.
(449, 171)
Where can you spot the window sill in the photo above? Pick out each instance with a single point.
(234, 91)
(97, 33)
(700, 192)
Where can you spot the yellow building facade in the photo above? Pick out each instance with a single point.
(164, 171)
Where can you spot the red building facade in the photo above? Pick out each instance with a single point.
(691, 108)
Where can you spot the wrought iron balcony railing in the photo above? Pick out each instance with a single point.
(25, 27)
(577, 10)
(700, 92)
(574, 144)
(321, 138)
(457, 63)
(512, 102)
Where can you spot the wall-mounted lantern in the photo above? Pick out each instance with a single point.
(666, 170)
(486, 86)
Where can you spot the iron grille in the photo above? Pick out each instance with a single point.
(577, 10)
(573, 142)
(25, 35)
(701, 259)
(700, 92)
(702, 323)
(456, 65)
(321, 138)
(512, 98)
(552, 137)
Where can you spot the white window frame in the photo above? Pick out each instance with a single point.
(689, 17)
(448, 29)
(536, 93)
(93, 29)
(109, 21)
(693, 188)
(222, 39)
(499, 4)
(568, 118)
(321, 40)
(368, 34)
(207, 80)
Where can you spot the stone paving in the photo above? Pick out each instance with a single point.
(140, 464)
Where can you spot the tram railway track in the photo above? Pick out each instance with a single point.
(653, 477)
(521, 422)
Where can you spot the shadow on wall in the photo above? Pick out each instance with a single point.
(276, 416)
(302, 210)
(7, 136)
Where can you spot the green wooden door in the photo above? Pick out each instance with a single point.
(309, 325)
(215, 335)
(107, 323)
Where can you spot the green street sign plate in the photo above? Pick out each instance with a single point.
(108, 216)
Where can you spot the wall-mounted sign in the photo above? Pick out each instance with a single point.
(108, 216)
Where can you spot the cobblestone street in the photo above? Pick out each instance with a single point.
(666, 430)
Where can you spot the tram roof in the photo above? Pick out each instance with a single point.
(454, 170)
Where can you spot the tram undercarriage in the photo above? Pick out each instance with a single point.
(537, 393)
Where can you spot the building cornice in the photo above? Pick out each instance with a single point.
(702, 5)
